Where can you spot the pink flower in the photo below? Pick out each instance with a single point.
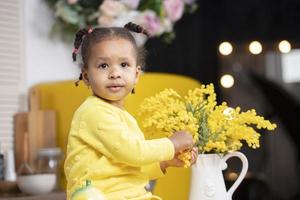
(112, 8)
(131, 3)
(174, 9)
(72, 2)
(150, 22)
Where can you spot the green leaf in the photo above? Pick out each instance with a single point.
(93, 17)
(155, 5)
(191, 9)
(189, 108)
(51, 3)
(81, 22)
(66, 13)
(168, 37)
(78, 8)
(65, 31)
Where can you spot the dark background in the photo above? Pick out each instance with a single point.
(194, 52)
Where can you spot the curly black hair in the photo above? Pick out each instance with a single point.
(86, 37)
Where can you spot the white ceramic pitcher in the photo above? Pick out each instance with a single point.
(207, 182)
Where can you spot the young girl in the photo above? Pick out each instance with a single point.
(105, 144)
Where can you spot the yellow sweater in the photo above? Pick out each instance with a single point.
(106, 146)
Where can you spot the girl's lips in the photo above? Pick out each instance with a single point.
(115, 85)
(115, 88)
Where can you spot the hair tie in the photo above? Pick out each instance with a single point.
(90, 30)
(75, 50)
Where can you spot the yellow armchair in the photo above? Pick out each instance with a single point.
(63, 97)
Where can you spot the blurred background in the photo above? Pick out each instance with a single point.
(249, 49)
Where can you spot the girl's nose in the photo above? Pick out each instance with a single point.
(114, 73)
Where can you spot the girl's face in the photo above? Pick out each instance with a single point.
(112, 70)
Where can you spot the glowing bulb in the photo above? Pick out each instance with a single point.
(232, 176)
(225, 48)
(255, 47)
(227, 81)
(284, 46)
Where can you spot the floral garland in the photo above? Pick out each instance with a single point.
(215, 128)
(157, 16)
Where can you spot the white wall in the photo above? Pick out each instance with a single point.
(46, 59)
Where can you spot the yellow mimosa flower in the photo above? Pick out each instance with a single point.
(215, 128)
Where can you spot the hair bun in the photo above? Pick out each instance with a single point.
(136, 28)
(78, 40)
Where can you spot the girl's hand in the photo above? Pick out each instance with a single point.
(194, 155)
(176, 162)
(182, 141)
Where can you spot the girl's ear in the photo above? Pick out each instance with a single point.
(138, 73)
(85, 76)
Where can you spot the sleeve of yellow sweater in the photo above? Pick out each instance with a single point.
(153, 170)
(106, 132)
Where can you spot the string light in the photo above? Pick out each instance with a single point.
(284, 46)
(227, 81)
(225, 48)
(255, 47)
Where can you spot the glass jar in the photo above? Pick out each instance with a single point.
(48, 160)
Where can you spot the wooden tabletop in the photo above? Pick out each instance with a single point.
(50, 196)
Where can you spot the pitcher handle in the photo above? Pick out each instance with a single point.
(242, 175)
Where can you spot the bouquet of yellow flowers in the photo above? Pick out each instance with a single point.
(215, 128)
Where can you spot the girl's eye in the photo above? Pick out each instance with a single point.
(103, 66)
(124, 64)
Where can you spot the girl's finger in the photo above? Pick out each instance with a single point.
(195, 149)
(192, 158)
